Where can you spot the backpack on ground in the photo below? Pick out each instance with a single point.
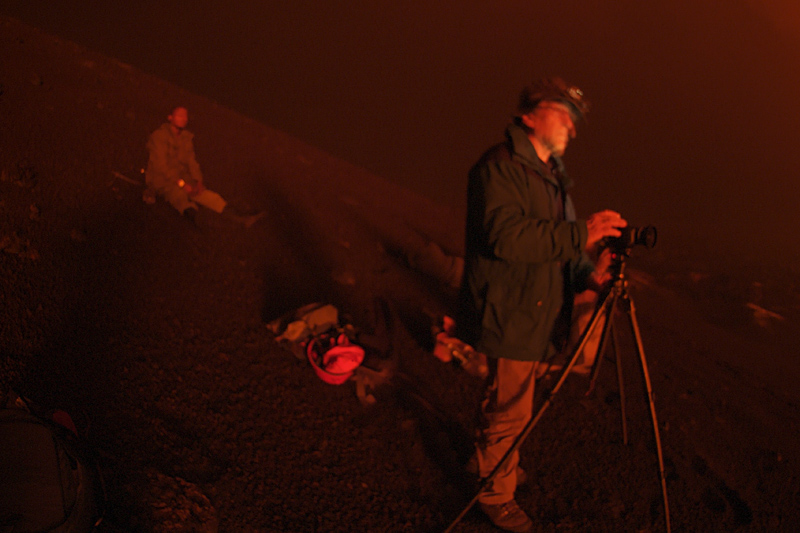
(48, 481)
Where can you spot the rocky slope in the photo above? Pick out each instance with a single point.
(153, 334)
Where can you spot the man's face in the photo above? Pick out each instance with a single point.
(553, 126)
(179, 117)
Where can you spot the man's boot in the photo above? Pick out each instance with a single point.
(190, 214)
(246, 220)
(508, 516)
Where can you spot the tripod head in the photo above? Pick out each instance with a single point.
(621, 247)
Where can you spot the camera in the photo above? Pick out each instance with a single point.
(644, 236)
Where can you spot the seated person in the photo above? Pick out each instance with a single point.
(174, 174)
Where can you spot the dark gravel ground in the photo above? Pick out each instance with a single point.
(153, 334)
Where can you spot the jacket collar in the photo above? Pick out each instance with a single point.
(185, 134)
(524, 152)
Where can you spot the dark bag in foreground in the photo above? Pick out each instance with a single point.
(47, 481)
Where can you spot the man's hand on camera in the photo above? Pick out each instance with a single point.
(601, 225)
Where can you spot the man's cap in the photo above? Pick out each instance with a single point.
(553, 89)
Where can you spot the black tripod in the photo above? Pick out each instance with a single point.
(616, 298)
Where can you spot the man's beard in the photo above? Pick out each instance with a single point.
(558, 149)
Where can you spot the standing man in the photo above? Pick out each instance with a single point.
(526, 255)
(174, 174)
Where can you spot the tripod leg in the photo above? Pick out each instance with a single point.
(609, 300)
(646, 375)
(601, 348)
(609, 326)
(621, 383)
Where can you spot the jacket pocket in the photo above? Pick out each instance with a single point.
(513, 320)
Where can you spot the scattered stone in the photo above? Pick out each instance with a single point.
(15, 245)
(177, 505)
(77, 235)
(344, 277)
(7, 242)
(26, 175)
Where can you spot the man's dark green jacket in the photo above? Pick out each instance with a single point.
(521, 239)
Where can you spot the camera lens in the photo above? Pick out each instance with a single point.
(631, 236)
